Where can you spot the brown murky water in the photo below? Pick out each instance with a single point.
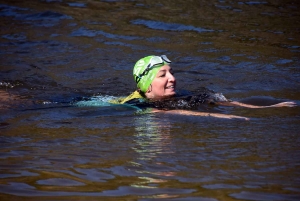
(55, 52)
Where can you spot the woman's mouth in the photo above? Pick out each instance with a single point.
(170, 87)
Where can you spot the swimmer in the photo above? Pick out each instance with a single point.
(157, 88)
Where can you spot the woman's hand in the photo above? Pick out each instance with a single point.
(284, 104)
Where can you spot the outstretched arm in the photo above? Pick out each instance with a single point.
(236, 103)
(197, 113)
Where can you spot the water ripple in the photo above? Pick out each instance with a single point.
(59, 182)
(11, 11)
(82, 31)
(47, 15)
(77, 4)
(169, 26)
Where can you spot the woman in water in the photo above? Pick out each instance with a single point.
(156, 89)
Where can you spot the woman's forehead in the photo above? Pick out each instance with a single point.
(165, 67)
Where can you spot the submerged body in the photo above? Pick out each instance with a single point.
(184, 100)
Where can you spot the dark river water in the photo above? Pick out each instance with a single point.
(56, 52)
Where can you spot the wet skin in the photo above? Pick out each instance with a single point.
(163, 85)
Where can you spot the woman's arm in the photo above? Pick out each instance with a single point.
(197, 113)
(235, 103)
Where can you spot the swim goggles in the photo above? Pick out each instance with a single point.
(154, 61)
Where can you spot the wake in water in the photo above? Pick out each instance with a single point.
(96, 101)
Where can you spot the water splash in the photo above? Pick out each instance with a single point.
(96, 101)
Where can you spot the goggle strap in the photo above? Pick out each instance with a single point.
(137, 79)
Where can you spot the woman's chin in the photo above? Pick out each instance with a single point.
(171, 93)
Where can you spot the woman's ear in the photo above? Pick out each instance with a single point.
(148, 93)
(149, 89)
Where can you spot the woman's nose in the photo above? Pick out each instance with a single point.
(171, 77)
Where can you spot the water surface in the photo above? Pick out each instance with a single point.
(56, 52)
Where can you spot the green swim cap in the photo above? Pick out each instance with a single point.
(144, 81)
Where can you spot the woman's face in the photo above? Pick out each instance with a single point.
(163, 85)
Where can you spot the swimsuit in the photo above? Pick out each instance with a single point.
(180, 101)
